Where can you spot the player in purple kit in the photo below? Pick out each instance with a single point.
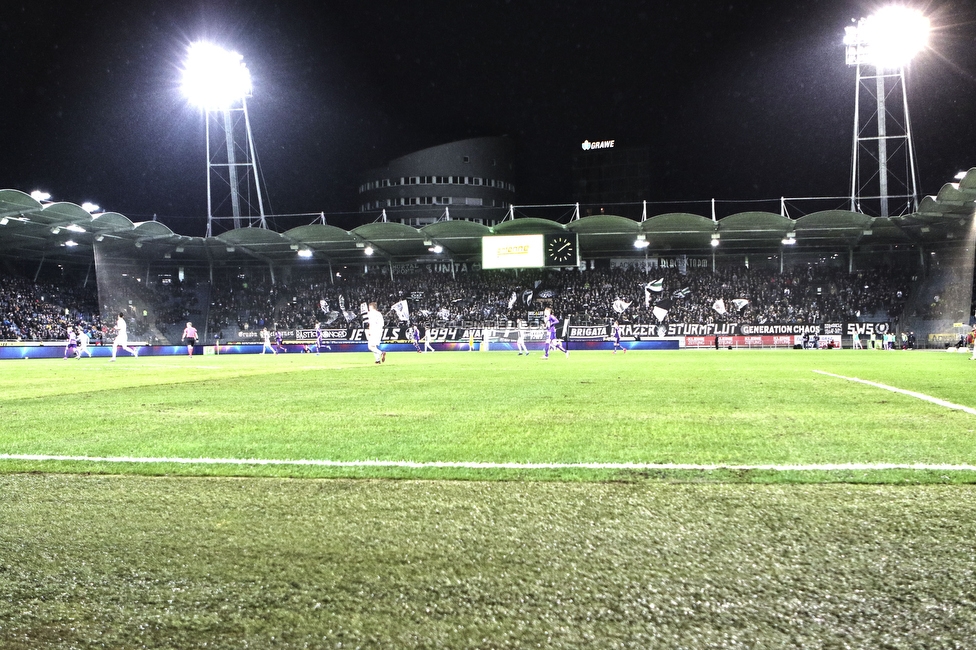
(414, 335)
(616, 337)
(318, 338)
(278, 344)
(550, 322)
(72, 346)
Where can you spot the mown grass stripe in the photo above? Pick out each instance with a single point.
(902, 391)
(812, 467)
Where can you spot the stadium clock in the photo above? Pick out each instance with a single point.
(562, 250)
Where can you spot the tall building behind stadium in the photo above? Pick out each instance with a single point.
(471, 180)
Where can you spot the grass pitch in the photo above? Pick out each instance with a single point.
(697, 407)
(173, 555)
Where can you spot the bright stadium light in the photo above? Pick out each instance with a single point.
(40, 196)
(368, 250)
(214, 78)
(89, 207)
(888, 39)
(304, 252)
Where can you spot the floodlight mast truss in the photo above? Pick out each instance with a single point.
(882, 128)
(232, 166)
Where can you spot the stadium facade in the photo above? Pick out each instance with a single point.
(470, 180)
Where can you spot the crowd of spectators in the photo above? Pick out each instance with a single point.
(241, 301)
(809, 295)
(43, 311)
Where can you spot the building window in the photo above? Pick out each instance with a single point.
(467, 159)
(470, 201)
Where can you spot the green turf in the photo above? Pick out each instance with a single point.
(141, 562)
(567, 559)
(702, 407)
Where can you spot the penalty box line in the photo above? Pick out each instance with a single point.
(407, 464)
(902, 391)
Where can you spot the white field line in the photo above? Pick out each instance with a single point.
(901, 391)
(821, 467)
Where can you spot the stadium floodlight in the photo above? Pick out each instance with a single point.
(437, 249)
(4, 221)
(885, 41)
(89, 207)
(888, 39)
(40, 196)
(214, 78)
(74, 228)
(368, 250)
(217, 81)
(715, 239)
(70, 243)
(304, 252)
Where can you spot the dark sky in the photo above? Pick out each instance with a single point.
(736, 100)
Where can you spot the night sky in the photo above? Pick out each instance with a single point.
(735, 100)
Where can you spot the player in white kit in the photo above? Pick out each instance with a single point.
(122, 338)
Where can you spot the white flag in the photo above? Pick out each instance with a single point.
(511, 301)
(719, 306)
(740, 303)
(402, 311)
(620, 306)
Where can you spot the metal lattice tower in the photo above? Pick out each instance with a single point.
(232, 171)
(884, 174)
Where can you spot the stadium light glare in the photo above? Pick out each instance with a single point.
(368, 250)
(89, 207)
(214, 78)
(70, 243)
(40, 196)
(75, 228)
(305, 252)
(437, 249)
(888, 39)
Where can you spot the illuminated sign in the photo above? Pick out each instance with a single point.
(599, 144)
(512, 252)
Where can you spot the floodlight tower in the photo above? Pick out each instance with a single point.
(220, 83)
(880, 47)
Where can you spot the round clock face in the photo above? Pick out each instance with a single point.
(561, 250)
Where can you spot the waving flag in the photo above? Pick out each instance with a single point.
(661, 309)
(740, 303)
(681, 293)
(402, 310)
(620, 305)
(512, 300)
(719, 306)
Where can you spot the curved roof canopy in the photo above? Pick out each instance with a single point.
(64, 232)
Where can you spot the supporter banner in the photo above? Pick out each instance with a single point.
(650, 330)
(592, 332)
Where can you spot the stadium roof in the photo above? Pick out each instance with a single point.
(66, 233)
